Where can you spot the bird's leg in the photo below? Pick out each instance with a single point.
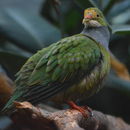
(80, 109)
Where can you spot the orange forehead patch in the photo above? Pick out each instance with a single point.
(92, 11)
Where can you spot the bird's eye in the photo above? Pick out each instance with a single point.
(97, 15)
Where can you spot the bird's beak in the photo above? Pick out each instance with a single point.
(87, 18)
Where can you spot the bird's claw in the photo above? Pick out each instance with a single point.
(89, 110)
(80, 109)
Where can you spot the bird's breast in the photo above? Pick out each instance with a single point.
(88, 85)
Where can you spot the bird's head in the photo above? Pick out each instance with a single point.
(93, 17)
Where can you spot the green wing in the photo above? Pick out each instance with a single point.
(64, 64)
(56, 68)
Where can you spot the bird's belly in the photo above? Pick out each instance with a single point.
(84, 89)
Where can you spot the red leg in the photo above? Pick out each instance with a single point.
(80, 109)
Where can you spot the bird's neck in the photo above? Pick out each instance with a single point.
(99, 34)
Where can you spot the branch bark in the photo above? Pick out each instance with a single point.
(6, 88)
(119, 68)
(29, 117)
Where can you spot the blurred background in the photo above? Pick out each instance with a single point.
(29, 25)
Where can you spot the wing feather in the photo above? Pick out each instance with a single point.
(63, 65)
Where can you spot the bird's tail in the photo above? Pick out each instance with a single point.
(9, 106)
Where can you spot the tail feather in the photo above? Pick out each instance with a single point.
(9, 107)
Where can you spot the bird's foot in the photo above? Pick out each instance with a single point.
(82, 109)
(89, 110)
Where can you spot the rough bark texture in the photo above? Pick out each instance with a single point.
(6, 89)
(31, 118)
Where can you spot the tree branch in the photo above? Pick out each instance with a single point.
(6, 88)
(32, 118)
(119, 68)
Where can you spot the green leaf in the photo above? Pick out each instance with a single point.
(118, 84)
(27, 30)
(119, 8)
(93, 3)
(9, 47)
(109, 6)
(86, 3)
(121, 29)
(12, 62)
(73, 21)
(122, 18)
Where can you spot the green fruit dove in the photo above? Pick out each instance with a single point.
(69, 70)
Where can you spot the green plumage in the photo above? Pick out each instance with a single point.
(71, 69)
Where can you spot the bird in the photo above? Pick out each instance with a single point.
(69, 70)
